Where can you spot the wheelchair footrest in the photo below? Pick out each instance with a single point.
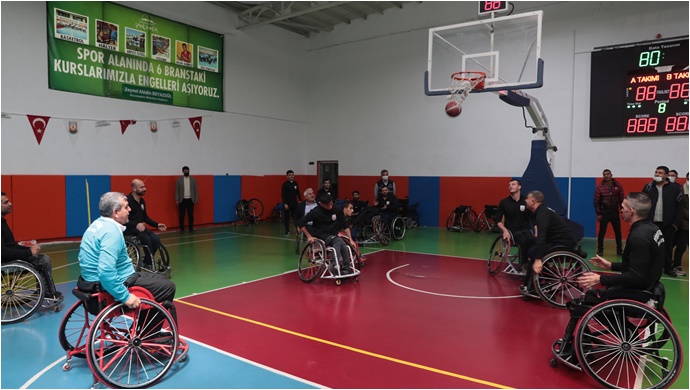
(569, 359)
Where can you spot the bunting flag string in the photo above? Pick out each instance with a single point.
(125, 123)
(38, 125)
(196, 125)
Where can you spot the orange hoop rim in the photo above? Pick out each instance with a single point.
(475, 77)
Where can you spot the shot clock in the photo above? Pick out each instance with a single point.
(640, 90)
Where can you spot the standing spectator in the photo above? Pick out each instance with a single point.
(290, 194)
(384, 182)
(608, 197)
(682, 233)
(667, 200)
(31, 254)
(186, 196)
(327, 190)
(138, 218)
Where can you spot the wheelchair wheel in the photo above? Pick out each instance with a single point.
(127, 348)
(557, 283)
(381, 231)
(74, 328)
(22, 291)
(161, 261)
(481, 223)
(312, 262)
(255, 209)
(398, 228)
(298, 242)
(626, 344)
(499, 252)
(468, 220)
(453, 221)
(134, 250)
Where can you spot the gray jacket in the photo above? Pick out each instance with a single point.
(179, 190)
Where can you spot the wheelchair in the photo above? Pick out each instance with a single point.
(486, 221)
(23, 292)
(625, 343)
(409, 213)
(557, 283)
(249, 211)
(461, 218)
(318, 260)
(124, 348)
(372, 229)
(160, 262)
(505, 257)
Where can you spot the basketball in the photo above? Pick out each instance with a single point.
(453, 109)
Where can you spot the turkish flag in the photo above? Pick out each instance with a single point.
(38, 124)
(125, 123)
(196, 125)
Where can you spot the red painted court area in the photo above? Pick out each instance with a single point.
(410, 321)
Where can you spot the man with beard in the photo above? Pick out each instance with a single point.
(138, 218)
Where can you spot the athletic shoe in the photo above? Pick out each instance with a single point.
(287, 234)
(679, 271)
(671, 273)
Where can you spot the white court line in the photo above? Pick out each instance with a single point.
(43, 371)
(388, 275)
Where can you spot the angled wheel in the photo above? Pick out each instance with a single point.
(557, 283)
(381, 231)
(398, 228)
(127, 347)
(255, 209)
(74, 328)
(298, 241)
(453, 221)
(626, 344)
(239, 209)
(161, 262)
(481, 223)
(134, 250)
(312, 262)
(468, 220)
(22, 291)
(498, 254)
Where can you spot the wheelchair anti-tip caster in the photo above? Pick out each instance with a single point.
(338, 282)
(67, 366)
(554, 362)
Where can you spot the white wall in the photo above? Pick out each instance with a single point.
(354, 95)
(366, 90)
(265, 94)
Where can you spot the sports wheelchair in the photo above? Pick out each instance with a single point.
(23, 292)
(486, 221)
(160, 261)
(124, 348)
(461, 218)
(318, 260)
(624, 343)
(408, 213)
(249, 211)
(505, 257)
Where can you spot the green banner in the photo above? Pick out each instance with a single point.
(109, 50)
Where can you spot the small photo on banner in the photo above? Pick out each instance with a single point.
(106, 35)
(72, 27)
(183, 53)
(160, 48)
(135, 42)
(208, 59)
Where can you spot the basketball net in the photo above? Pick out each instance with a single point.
(463, 83)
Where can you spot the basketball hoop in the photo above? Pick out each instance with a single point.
(464, 83)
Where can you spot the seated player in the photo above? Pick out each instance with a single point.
(327, 223)
(387, 204)
(138, 218)
(305, 207)
(103, 258)
(517, 220)
(348, 212)
(357, 204)
(13, 251)
(641, 268)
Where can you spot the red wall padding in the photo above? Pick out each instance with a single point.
(6, 183)
(266, 189)
(470, 191)
(38, 206)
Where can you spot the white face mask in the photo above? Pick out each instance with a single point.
(672, 179)
(385, 178)
(658, 179)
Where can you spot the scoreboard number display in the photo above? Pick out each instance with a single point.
(640, 90)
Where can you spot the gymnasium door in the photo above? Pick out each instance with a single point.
(328, 170)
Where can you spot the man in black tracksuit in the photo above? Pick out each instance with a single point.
(641, 268)
(517, 220)
(290, 195)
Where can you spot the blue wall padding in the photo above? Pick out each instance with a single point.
(564, 187)
(77, 218)
(538, 176)
(582, 204)
(227, 190)
(426, 191)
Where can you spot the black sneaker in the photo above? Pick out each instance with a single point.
(528, 292)
(671, 273)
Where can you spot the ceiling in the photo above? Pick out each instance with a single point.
(305, 17)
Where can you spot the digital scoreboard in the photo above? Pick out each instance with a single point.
(640, 90)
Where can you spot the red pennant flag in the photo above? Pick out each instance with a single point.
(196, 125)
(38, 124)
(124, 124)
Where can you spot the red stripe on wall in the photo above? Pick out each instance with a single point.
(6, 183)
(470, 191)
(38, 207)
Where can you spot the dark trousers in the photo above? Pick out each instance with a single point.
(681, 246)
(614, 219)
(187, 206)
(42, 265)
(162, 289)
(340, 249)
(669, 233)
(287, 214)
(525, 239)
(152, 241)
(529, 276)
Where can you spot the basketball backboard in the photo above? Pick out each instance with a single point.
(506, 48)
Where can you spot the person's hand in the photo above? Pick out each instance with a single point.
(588, 279)
(506, 236)
(133, 301)
(35, 250)
(600, 262)
(285, 206)
(537, 266)
(162, 227)
(141, 227)
(598, 218)
(311, 239)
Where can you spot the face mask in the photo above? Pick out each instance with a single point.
(186, 174)
(658, 179)
(385, 178)
(672, 179)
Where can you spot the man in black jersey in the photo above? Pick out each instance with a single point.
(290, 195)
(517, 220)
